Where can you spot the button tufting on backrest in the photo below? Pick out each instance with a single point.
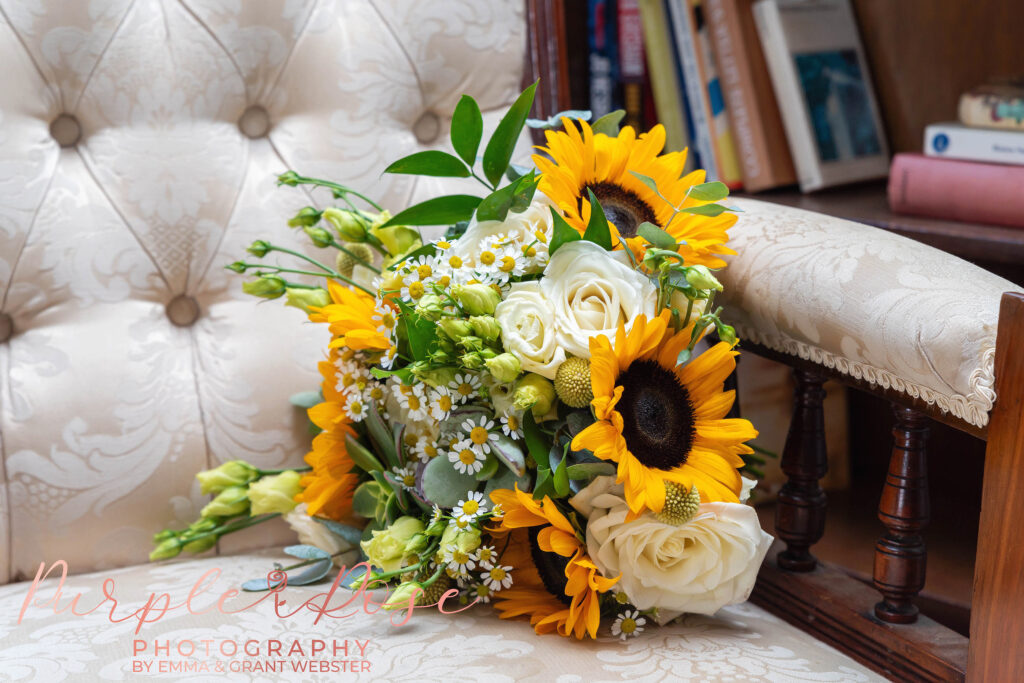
(427, 127)
(6, 327)
(255, 122)
(66, 130)
(183, 310)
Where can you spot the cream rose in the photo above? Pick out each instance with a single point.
(527, 322)
(592, 292)
(520, 228)
(698, 567)
(312, 532)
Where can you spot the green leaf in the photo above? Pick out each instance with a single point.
(536, 442)
(598, 230)
(306, 399)
(656, 236)
(444, 485)
(405, 374)
(609, 123)
(489, 469)
(365, 499)
(589, 470)
(437, 211)
(555, 120)
(381, 437)
(561, 476)
(501, 145)
(509, 452)
(709, 192)
(507, 479)
(421, 333)
(561, 232)
(345, 531)
(456, 231)
(646, 180)
(428, 249)
(495, 206)
(361, 455)
(431, 162)
(545, 484)
(467, 129)
(707, 210)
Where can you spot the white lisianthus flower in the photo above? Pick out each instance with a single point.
(592, 292)
(312, 532)
(697, 567)
(531, 227)
(527, 322)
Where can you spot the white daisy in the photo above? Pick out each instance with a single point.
(413, 290)
(387, 359)
(472, 507)
(441, 403)
(459, 562)
(512, 424)
(481, 433)
(426, 448)
(628, 624)
(497, 577)
(423, 267)
(385, 319)
(441, 245)
(355, 407)
(481, 593)
(485, 556)
(465, 457)
(510, 263)
(437, 514)
(348, 373)
(406, 475)
(465, 387)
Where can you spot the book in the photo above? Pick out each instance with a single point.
(995, 105)
(661, 67)
(603, 61)
(821, 81)
(957, 141)
(712, 133)
(957, 190)
(631, 62)
(761, 145)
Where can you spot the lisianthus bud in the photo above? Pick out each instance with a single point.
(397, 239)
(430, 306)
(701, 278)
(386, 548)
(476, 299)
(349, 225)
(166, 550)
(305, 217)
(266, 287)
(485, 327)
(467, 540)
(320, 237)
(404, 596)
(534, 392)
(275, 493)
(346, 262)
(455, 328)
(200, 545)
(231, 473)
(162, 536)
(727, 333)
(230, 502)
(304, 298)
(417, 544)
(472, 360)
(504, 367)
(471, 343)
(259, 248)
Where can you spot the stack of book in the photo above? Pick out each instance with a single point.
(972, 170)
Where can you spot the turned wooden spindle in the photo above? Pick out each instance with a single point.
(900, 554)
(800, 512)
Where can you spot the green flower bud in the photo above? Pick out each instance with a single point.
(404, 596)
(201, 526)
(436, 527)
(304, 218)
(304, 298)
(439, 357)
(259, 248)
(200, 545)
(266, 287)
(487, 354)
(476, 299)
(237, 266)
(467, 540)
(166, 550)
(289, 178)
(162, 536)
(386, 548)
(320, 237)
(417, 544)
(231, 473)
(485, 327)
(230, 502)
(275, 493)
(534, 392)
(397, 239)
(472, 360)
(430, 306)
(504, 367)
(455, 328)
(471, 343)
(701, 278)
(349, 225)
(727, 333)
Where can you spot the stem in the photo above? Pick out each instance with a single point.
(303, 257)
(306, 563)
(340, 190)
(279, 269)
(355, 258)
(486, 184)
(435, 577)
(231, 528)
(264, 473)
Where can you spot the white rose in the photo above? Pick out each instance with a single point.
(521, 229)
(527, 322)
(592, 293)
(312, 532)
(698, 567)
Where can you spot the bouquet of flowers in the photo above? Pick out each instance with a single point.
(517, 412)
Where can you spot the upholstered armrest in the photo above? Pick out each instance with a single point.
(867, 303)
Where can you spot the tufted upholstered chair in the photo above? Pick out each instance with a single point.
(139, 141)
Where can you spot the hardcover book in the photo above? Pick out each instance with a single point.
(956, 141)
(665, 84)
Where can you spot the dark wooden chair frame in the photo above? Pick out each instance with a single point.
(881, 626)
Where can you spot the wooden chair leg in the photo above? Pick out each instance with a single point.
(800, 512)
(900, 555)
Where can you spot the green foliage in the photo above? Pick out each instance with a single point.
(437, 211)
(656, 236)
(467, 129)
(361, 455)
(597, 230)
(710, 210)
(709, 192)
(445, 486)
(609, 123)
(554, 121)
(420, 332)
(501, 145)
(515, 197)
(431, 162)
(561, 232)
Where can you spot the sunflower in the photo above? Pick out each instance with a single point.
(662, 422)
(350, 316)
(556, 582)
(580, 160)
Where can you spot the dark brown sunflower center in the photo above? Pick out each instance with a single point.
(657, 415)
(551, 567)
(623, 207)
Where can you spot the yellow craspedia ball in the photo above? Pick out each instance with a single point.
(345, 263)
(572, 383)
(680, 505)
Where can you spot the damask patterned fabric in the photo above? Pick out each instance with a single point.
(139, 143)
(741, 643)
(874, 305)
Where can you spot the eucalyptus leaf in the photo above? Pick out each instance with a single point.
(609, 123)
(344, 531)
(467, 129)
(503, 143)
(711, 210)
(646, 180)
(430, 162)
(709, 192)
(257, 585)
(361, 455)
(490, 467)
(561, 232)
(380, 435)
(306, 399)
(656, 236)
(437, 211)
(306, 552)
(589, 470)
(510, 453)
(597, 230)
(392, 510)
(366, 498)
(444, 485)
(555, 120)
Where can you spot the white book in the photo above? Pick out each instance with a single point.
(957, 141)
(821, 81)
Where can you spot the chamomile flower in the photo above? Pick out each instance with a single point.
(416, 407)
(472, 507)
(512, 424)
(426, 448)
(406, 475)
(465, 387)
(480, 592)
(486, 257)
(465, 457)
(387, 359)
(485, 556)
(423, 268)
(355, 407)
(441, 403)
(413, 290)
(348, 372)
(459, 562)
(481, 433)
(628, 624)
(385, 319)
(373, 392)
(441, 245)
(437, 514)
(511, 262)
(497, 577)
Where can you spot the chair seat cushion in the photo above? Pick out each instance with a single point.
(741, 643)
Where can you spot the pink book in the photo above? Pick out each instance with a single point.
(957, 190)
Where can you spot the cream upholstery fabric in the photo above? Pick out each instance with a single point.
(176, 117)
(740, 643)
(872, 304)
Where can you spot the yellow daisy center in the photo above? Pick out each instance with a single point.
(485, 554)
(482, 591)
(467, 456)
(444, 402)
(414, 403)
(387, 320)
(508, 264)
(498, 574)
(513, 423)
(487, 258)
(409, 480)
(465, 389)
(376, 393)
(424, 271)
(541, 236)
(410, 439)
(444, 281)
(416, 290)
(356, 407)
(478, 435)
(459, 557)
(470, 507)
(529, 250)
(454, 261)
(628, 625)
(442, 245)
(431, 451)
